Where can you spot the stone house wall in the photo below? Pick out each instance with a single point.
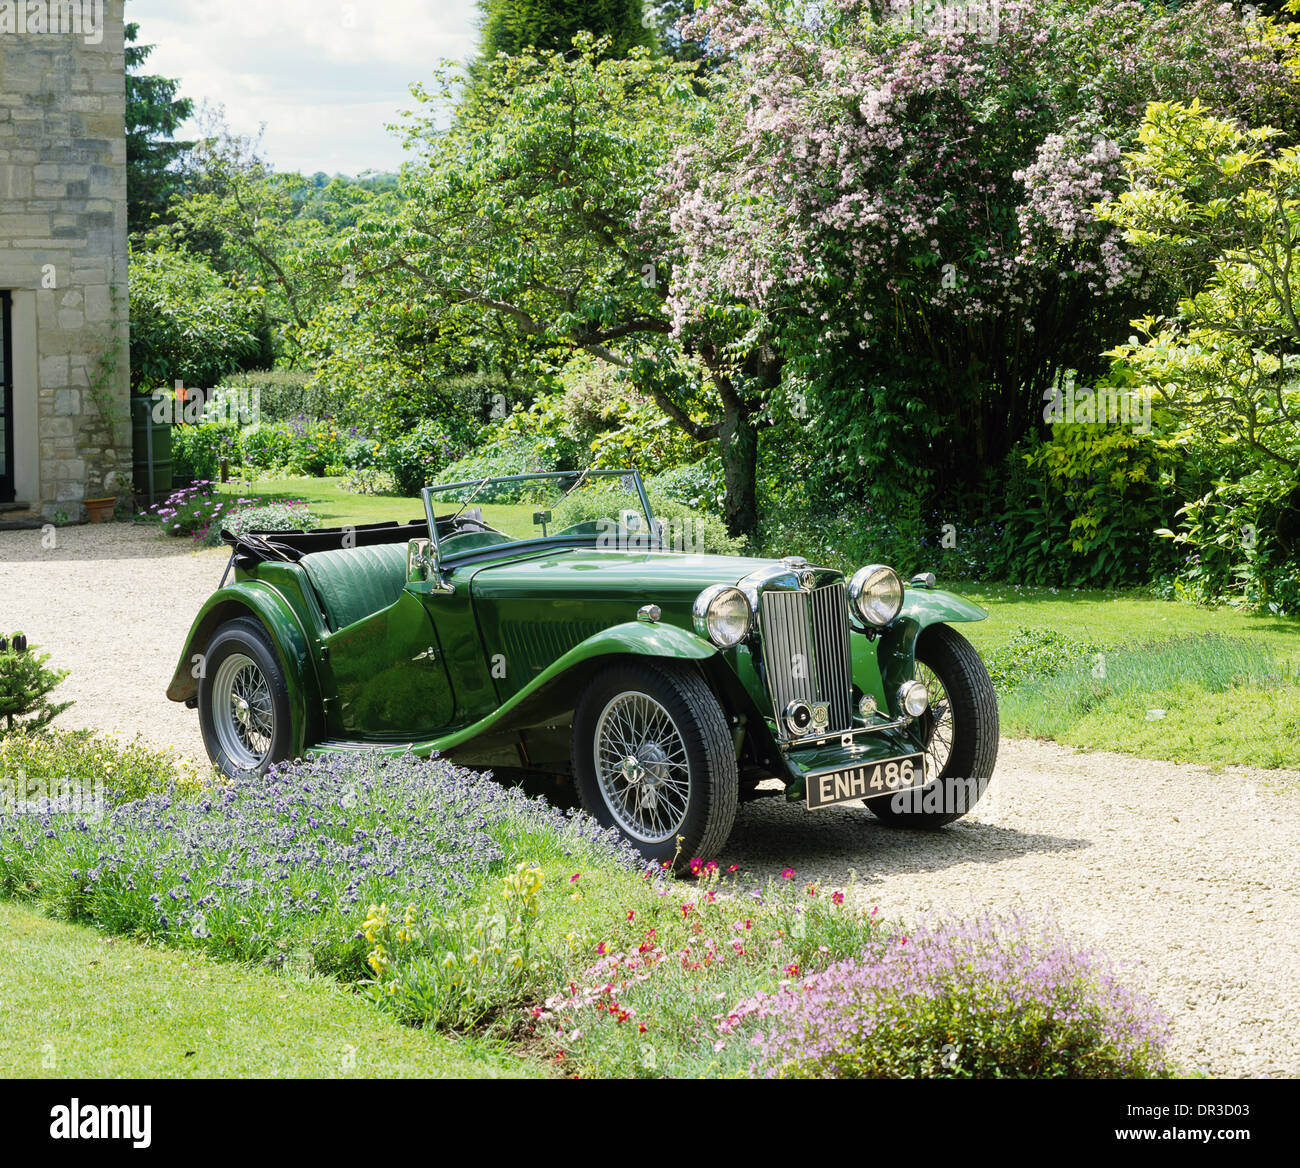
(63, 250)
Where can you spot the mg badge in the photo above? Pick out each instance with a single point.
(806, 579)
(821, 717)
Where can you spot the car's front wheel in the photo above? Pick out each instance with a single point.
(243, 700)
(960, 732)
(653, 758)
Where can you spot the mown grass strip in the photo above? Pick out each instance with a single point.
(1201, 698)
(78, 1004)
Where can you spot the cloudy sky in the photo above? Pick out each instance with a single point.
(325, 76)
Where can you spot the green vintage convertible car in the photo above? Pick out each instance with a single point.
(550, 623)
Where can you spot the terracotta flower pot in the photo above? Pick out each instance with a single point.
(98, 510)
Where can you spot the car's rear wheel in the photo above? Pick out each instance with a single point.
(960, 731)
(653, 758)
(243, 700)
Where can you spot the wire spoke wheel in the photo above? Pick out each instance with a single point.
(654, 759)
(958, 734)
(243, 714)
(642, 767)
(937, 725)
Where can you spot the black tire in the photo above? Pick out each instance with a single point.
(961, 762)
(686, 787)
(241, 647)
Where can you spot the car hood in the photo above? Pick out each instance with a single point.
(650, 577)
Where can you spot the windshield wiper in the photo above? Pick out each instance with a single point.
(468, 501)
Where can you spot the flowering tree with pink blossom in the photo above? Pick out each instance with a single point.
(902, 209)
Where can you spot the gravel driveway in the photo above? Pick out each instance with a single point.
(1187, 876)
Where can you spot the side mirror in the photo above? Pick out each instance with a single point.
(418, 561)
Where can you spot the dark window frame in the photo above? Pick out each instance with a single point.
(7, 485)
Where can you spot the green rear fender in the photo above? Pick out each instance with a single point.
(253, 599)
(922, 607)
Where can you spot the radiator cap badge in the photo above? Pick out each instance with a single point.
(806, 579)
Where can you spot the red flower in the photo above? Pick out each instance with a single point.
(787, 874)
(686, 908)
(812, 890)
(837, 897)
(630, 914)
(696, 865)
(640, 1027)
(575, 876)
(601, 948)
(792, 970)
(710, 867)
(734, 868)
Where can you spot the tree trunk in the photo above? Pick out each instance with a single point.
(738, 438)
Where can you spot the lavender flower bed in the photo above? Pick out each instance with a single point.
(1003, 997)
(265, 867)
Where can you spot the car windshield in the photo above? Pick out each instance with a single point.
(599, 507)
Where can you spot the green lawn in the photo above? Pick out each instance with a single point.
(1109, 618)
(77, 1004)
(1167, 712)
(336, 507)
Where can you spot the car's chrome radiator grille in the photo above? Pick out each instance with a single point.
(806, 650)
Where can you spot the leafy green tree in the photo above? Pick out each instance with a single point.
(153, 115)
(1215, 208)
(512, 26)
(665, 17)
(521, 241)
(265, 231)
(187, 321)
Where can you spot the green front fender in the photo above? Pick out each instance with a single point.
(251, 598)
(922, 607)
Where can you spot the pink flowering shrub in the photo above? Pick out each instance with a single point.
(1000, 997)
(903, 208)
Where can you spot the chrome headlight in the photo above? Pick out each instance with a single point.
(722, 614)
(876, 593)
(914, 698)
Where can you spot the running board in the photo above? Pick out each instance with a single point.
(351, 746)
